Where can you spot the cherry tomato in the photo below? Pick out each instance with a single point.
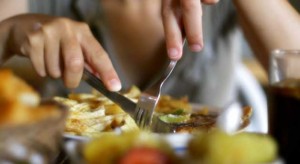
(144, 155)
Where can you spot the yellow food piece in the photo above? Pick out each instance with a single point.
(109, 148)
(106, 149)
(20, 103)
(217, 147)
(15, 89)
(168, 105)
(170, 118)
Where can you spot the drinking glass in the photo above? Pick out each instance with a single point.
(284, 102)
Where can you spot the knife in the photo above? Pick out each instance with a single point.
(125, 103)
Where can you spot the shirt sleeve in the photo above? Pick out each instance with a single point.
(82, 10)
(42, 6)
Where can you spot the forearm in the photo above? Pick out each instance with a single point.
(269, 24)
(10, 8)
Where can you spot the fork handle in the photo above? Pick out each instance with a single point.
(126, 104)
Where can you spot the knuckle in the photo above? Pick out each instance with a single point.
(84, 30)
(99, 55)
(84, 26)
(64, 23)
(49, 32)
(34, 39)
(75, 64)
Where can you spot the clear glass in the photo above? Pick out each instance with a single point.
(284, 64)
(284, 102)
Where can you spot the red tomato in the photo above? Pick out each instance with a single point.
(143, 155)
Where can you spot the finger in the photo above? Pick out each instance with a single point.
(172, 29)
(52, 51)
(73, 61)
(34, 48)
(192, 20)
(98, 59)
(209, 2)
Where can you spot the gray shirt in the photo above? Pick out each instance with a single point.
(206, 77)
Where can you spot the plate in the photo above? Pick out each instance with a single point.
(207, 119)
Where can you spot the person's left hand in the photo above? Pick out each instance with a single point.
(183, 18)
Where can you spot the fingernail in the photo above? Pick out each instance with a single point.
(173, 53)
(115, 85)
(195, 47)
(57, 74)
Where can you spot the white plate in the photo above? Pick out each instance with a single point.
(76, 138)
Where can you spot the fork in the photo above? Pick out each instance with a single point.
(149, 98)
(142, 111)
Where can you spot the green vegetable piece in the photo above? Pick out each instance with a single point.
(171, 118)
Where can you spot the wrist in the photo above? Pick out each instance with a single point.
(5, 32)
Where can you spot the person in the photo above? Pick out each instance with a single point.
(39, 42)
(208, 77)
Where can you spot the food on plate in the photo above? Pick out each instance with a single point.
(176, 106)
(93, 113)
(20, 104)
(191, 119)
(90, 114)
(217, 147)
(129, 148)
(187, 118)
(171, 110)
(29, 128)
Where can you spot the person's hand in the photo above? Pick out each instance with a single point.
(183, 18)
(60, 47)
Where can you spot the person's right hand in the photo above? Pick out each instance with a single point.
(60, 47)
(183, 18)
